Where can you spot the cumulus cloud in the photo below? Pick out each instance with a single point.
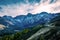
(23, 9)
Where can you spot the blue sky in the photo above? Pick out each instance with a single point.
(22, 7)
(4, 2)
(7, 2)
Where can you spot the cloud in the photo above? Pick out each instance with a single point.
(51, 8)
(36, 7)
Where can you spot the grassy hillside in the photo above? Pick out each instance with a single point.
(53, 34)
(22, 35)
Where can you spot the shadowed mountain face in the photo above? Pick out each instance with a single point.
(25, 21)
(56, 21)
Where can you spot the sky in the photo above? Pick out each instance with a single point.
(23, 7)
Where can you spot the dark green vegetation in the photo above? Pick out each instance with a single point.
(23, 35)
(53, 34)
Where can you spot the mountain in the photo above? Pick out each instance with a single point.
(12, 26)
(25, 21)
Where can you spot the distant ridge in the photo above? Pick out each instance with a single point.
(25, 21)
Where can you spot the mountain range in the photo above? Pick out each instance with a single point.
(21, 22)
